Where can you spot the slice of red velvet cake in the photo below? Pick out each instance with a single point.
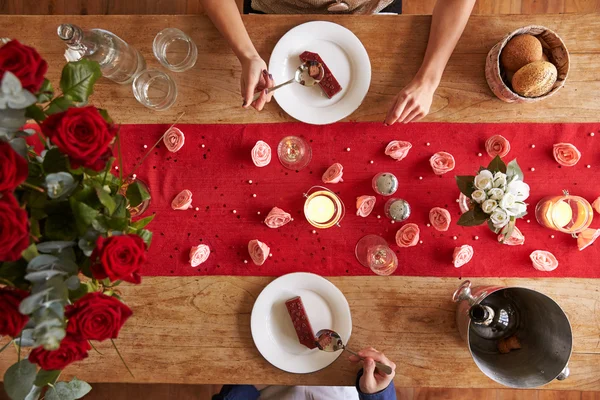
(329, 84)
(304, 330)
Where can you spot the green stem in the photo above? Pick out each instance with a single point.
(121, 357)
(120, 156)
(94, 347)
(30, 186)
(108, 165)
(5, 346)
(19, 347)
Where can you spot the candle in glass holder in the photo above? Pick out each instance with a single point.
(385, 183)
(323, 209)
(566, 213)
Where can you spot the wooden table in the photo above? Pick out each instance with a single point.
(197, 329)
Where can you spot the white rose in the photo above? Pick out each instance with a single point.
(488, 206)
(499, 218)
(478, 196)
(519, 188)
(484, 180)
(508, 201)
(495, 194)
(517, 209)
(500, 180)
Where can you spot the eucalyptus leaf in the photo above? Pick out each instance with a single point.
(42, 262)
(513, 169)
(50, 338)
(42, 276)
(497, 165)
(54, 246)
(33, 301)
(25, 133)
(106, 200)
(58, 309)
(80, 388)
(466, 184)
(87, 243)
(34, 393)
(78, 78)
(78, 293)
(59, 184)
(25, 339)
(60, 391)
(19, 145)
(18, 379)
(10, 122)
(30, 252)
(46, 377)
(73, 282)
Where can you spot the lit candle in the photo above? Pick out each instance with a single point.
(320, 209)
(569, 214)
(561, 213)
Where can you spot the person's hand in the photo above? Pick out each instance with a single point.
(412, 103)
(255, 78)
(373, 381)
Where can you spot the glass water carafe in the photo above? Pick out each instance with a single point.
(119, 61)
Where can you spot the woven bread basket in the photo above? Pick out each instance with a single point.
(553, 47)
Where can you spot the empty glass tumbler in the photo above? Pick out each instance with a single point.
(175, 50)
(155, 89)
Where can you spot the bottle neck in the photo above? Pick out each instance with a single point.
(75, 38)
(482, 315)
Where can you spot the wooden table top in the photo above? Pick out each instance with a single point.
(197, 329)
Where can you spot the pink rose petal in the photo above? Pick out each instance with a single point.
(334, 174)
(277, 218)
(261, 154)
(442, 162)
(174, 139)
(566, 154)
(199, 254)
(182, 201)
(587, 238)
(397, 149)
(258, 251)
(462, 255)
(440, 218)
(364, 205)
(516, 238)
(464, 203)
(596, 205)
(408, 235)
(497, 145)
(543, 260)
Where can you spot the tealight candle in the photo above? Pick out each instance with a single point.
(568, 214)
(320, 209)
(323, 208)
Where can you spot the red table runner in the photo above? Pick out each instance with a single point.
(215, 164)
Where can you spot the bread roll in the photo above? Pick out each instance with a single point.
(520, 51)
(535, 79)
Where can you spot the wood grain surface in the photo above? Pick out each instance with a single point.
(197, 330)
(210, 92)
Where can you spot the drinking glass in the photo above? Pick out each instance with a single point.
(294, 153)
(175, 50)
(568, 214)
(155, 89)
(373, 252)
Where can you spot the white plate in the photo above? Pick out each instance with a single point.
(273, 331)
(345, 56)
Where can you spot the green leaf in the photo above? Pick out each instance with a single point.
(105, 115)
(78, 78)
(121, 210)
(79, 388)
(141, 224)
(30, 253)
(136, 193)
(60, 227)
(473, 217)
(146, 235)
(513, 169)
(55, 161)
(106, 200)
(465, 184)
(18, 379)
(84, 215)
(46, 92)
(59, 105)
(45, 377)
(497, 165)
(36, 113)
(34, 228)
(78, 293)
(117, 224)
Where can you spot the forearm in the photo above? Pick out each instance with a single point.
(226, 17)
(447, 25)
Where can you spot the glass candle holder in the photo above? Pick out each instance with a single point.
(566, 213)
(323, 208)
(385, 183)
(294, 152)
(155, 89)
(397, 209)
(143, 206)
(175, 50)
(373, 252)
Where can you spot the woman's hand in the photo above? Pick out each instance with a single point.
(412, 103)
(373, 381)
(255, 78)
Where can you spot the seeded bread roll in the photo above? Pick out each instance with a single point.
(534, 79)
(520, 51)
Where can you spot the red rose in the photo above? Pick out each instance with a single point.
(14, 228)
(83, 135)
(25, 62)
(97, 316)
(11, 320)
(119, 257)
(71, 349)
(13, 167)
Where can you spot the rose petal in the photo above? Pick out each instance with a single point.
(174, 139)
(408, 235)
(462, 255)
(334, 174)
(596, 205)
(258, 251)
(277, 218)
(497, 145)
(516, 238)
(464, 203)
(261, 154)
(199, 254)
(442, 162)
(587, 237)
(566, 154)
(397, 149)
(440, 218)
(364, 205)
(182, 201)
(543, 260)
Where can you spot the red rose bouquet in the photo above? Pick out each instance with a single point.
(67, 239)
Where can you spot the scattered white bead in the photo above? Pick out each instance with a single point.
(270, 254)
(197, 209)
(145, 146)
(116, 167)
(134, 176)
(379, 216)
(245, 261)
(420, 241)
(551, 236)
(457, 200)
(420, 178)
(203, 146)
(292, 219)
(479, 154)
(254, 195)
(589, 166)
(428, 224)
(476, 238)
(393, 222)
(455, 237)
(371, 162)
(347, 148)
(533, 146)
(314, 232)
(258, 213)
(532, 169)
(250, 181)
(428, 144)
(528, 221)
(234, 211)
(591, 133)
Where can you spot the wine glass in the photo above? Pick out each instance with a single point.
(294, 153)
(373, 252)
